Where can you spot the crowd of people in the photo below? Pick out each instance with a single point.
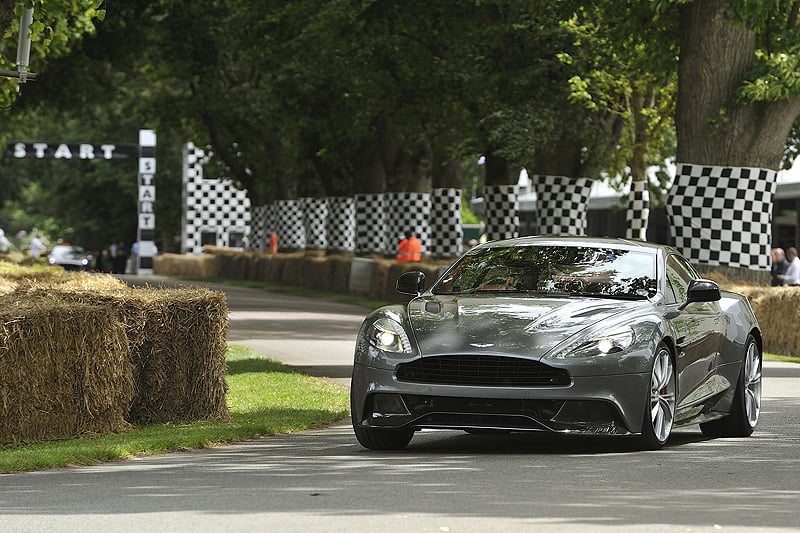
(785, 268)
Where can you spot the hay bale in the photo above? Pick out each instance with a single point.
(180, 366)
(195, 266)
(64, 370)
(777, 310)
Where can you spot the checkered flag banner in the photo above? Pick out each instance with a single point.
(341, 224)
(210, 206)
(315, 219)
(561, 204)
(638, 213)
(369, 223)
(501, 203)
(258, 231)
(722, 216)
(406, 211)
(289, 222)
(447, 234)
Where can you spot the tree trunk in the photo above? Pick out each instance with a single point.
(496, 169)
(638, 212)
(445, 172)
(370, 174)
(720, 204)
(713, 128)
(563, 158)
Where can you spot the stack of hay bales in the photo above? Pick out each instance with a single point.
(85, 354)
(300, 269)
(778, 312)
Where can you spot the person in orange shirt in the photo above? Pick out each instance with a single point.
(410, 249)
(273, 243)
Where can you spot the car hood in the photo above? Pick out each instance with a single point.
(509, 325)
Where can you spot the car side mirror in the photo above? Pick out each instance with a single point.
(701, 290)
(411, 283)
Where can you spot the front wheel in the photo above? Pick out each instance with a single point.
(382, 439)
(660, 402)
(746, 406)
(379, 438)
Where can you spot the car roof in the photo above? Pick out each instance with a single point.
(604, 242)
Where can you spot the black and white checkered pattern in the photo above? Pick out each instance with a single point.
(210, 205)
(638, 211)
(341, 224)
(369, 223)
(723, 215)
(406, 211)
(501, 204)
(258, 234)
(315, 220)
(289, 223)
(447, 234)
(561, 204)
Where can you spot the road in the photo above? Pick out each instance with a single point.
(445, 481)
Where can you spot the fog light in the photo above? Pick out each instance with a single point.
(388, 405)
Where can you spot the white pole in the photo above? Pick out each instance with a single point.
(24, 45)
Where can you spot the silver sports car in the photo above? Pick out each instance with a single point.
(559, 334)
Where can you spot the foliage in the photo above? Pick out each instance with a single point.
(57, 26)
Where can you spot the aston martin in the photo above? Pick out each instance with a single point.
(569, 335)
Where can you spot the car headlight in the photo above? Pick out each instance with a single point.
(615, 341)
(389, 336)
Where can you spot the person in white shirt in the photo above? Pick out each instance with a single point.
(792, 275)
(5, 244)
(37, 247)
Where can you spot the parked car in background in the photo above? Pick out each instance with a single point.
(606, 337)
(70, 257)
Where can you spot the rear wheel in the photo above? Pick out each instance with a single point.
(746, 406)
(660, 402)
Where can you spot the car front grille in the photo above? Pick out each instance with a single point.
(482, 371)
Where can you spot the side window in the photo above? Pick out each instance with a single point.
(679, 274)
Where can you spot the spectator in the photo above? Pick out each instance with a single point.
(118, 259)
(779, 266)
(103, 262)
(273, 243)
(409, 249)
(5, 244)
(792, 275)
(37, 247)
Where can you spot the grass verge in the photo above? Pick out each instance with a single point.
(264, 398)
(782, 358)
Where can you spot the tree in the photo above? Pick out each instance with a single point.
(57, 26)
(738, 97)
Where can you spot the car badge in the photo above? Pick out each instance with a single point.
(480, 345)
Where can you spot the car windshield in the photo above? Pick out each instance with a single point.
(553, 270)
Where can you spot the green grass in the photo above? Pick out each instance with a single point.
(781, 358)
(264, 398)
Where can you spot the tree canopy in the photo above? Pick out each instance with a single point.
(310, 98)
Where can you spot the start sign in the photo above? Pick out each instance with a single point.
(145, 152)
(43, 150)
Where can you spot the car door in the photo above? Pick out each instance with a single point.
(699, 331)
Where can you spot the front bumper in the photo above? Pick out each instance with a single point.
(595, 405)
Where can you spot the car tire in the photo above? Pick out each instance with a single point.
(746, 405)
(382, 439)
(659, 413)
(379, 438)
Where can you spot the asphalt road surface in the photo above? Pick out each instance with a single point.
(445, 481)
